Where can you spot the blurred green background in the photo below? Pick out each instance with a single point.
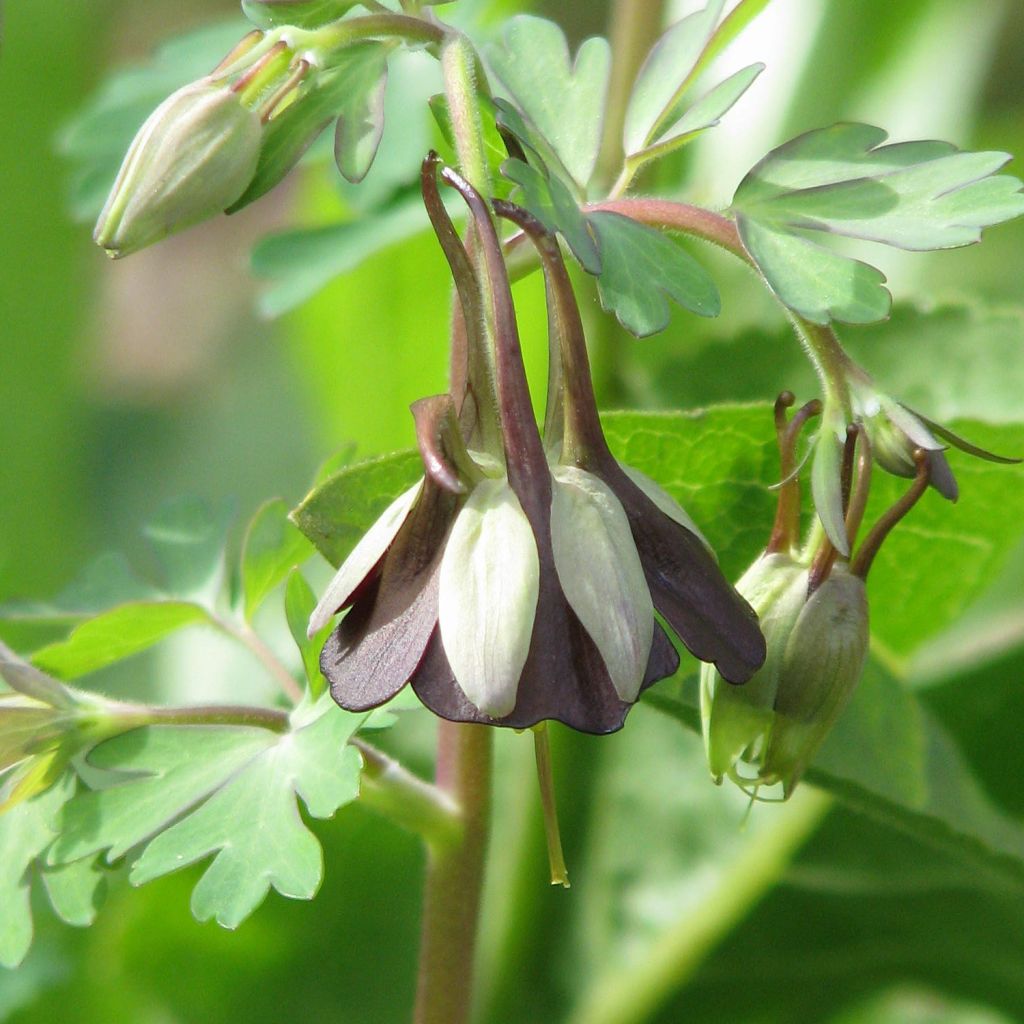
(123, 385)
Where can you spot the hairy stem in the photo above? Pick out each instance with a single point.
(634, 993)
(455, 870)
(133, 716)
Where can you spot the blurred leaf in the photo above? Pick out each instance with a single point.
(665, 74)
(306, 14)
(302, 261)
(361, 117)
(640, 266)
(187, 537)
(339, 511)
(99, 136)
(116, 634)
(25, 831)
(271, 549)
(841, 180)
(553, 205)
(76, 891)
(194, 791)
(563, 98)
(299, 602)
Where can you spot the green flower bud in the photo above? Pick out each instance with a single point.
(775, 724)
(300, 13)
(821, 667)
(737, 719)
(194, 156)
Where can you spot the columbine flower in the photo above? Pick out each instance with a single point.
(814, 613)
(510, 591)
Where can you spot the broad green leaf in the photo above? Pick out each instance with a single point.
(116, 634)
(335, 514)
(563, 98)
(302, 261)
(76, 891)
(361, 116)
(97, 139)
(842, 181)
(550, 201)
(665, 73)
(271, 549)
(641, 269)
(25, 831)
(192, 792)
(299, 602)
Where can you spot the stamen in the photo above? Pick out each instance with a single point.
(260, 74)
(787, 513)
(859, 499)
(542, 750)
(242, 47)
(287, 89)
(861, 564)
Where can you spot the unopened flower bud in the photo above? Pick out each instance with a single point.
(194, 156)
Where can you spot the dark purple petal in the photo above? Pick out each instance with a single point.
(375, 649)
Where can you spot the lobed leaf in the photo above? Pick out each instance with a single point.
(842, 181)
(641, 268)
(563, 99)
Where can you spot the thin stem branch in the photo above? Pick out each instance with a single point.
(633, 994)
(244, 635)
(133, 716)
(407, 800)
(454, 880)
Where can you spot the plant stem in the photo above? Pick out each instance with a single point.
(393, 791)
(455, 870)
(633, 27)
(133, 716)
(633, 994)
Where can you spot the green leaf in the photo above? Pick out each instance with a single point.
(339, 511)
(304, 13)
(302, 261)
(495, 151)
(98, 137)
(563, 99)
(25, 831)
(116, 634)
(553, 205)
(706, 112)
(196, 791)
(665, 73)
(842, 181)
(299, 602)
(361, 114)
(76, 891)
(640, 267)
(271, 549)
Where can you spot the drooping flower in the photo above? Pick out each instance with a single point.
(506, 589)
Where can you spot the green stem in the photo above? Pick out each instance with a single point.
(393, 791)
(134, 716)
(633, 994)
(454, 881)
(819, 340)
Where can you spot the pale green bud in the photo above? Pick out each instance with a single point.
(821, 667)
(194, 156)
(737, 719)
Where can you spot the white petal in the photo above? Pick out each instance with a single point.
(601, 575)
(490, 577)
(363, 557)
(664, 501)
